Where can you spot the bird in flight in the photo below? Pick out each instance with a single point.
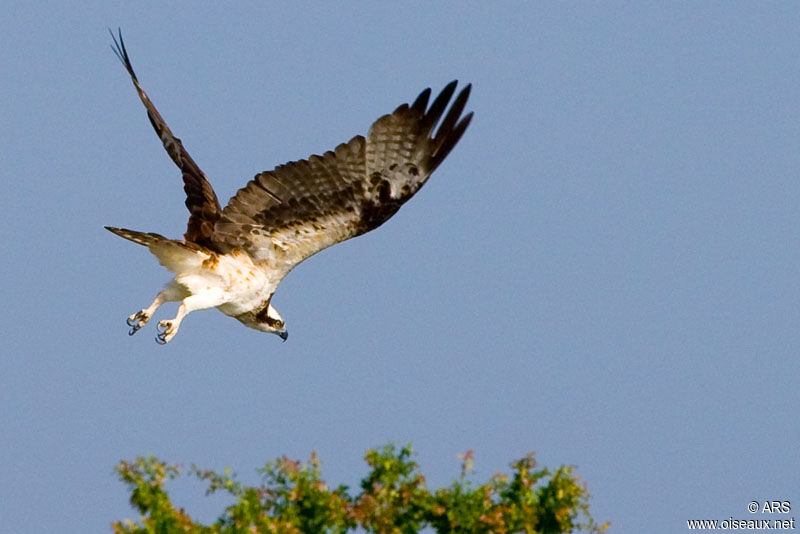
(233, 258)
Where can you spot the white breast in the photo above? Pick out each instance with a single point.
(243, 285)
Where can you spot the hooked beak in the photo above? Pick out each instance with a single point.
(284, 335)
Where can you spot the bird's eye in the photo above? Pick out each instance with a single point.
(274, 323)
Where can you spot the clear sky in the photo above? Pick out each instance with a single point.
(604, 270)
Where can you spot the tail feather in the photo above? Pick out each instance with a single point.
(177, 256)
(142, 238)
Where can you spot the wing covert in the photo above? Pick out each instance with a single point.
(285, 215)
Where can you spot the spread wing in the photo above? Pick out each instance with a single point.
(285, 215)
(201, 200)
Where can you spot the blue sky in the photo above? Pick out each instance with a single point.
(604, 271)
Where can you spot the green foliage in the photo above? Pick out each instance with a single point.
(293, 499)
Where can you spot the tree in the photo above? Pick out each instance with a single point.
(393, 499)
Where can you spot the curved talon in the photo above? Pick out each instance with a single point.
(165, 332)
(161, 338)
(137, 321)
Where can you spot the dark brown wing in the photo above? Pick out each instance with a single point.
(201, 200)
(285, 215)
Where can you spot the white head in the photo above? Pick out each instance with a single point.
(266, 319)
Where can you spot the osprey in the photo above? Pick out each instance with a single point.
(234, 258)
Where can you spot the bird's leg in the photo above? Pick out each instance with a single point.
(169, 327)
(171, 293)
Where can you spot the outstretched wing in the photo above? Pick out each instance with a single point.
(200, 197)
(285, 215)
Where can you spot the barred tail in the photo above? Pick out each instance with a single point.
(143, 238)
(177, 256)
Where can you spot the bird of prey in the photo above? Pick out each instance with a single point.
(233, 258)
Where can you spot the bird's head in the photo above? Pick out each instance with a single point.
(267, 320)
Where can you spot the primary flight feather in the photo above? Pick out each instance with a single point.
(233, 258)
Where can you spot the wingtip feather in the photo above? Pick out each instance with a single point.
(121, 52)
(422, 100)
(438, 106)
